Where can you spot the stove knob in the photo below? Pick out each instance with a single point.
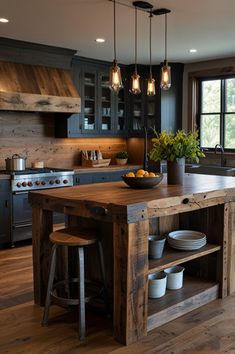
(51, 182)
(65, 181)
(37, 183)
(24, 184)
(18, 184)
(43, 183)
(30, 184)
(57, 181)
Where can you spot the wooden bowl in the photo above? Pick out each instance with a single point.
(143, 182)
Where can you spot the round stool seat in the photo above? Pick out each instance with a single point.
(73, 236)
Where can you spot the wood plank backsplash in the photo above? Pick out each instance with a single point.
(32, 135)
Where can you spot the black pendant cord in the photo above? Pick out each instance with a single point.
(114, 29)
(150, 44)
(165, 37)
(136, 40)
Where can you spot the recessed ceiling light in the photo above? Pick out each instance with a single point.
(192, 50)
(4, 20)
(100, 40)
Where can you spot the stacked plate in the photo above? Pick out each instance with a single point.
(186, 240)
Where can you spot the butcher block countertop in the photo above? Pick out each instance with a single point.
(196, 188)
(124, 218)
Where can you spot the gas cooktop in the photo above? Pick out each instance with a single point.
(29, 171)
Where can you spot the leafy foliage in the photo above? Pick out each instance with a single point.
(121, 155)
(170, 146)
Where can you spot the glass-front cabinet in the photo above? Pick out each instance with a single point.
(89, 107)
(106, 100)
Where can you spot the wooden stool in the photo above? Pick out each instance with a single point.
(72, 237)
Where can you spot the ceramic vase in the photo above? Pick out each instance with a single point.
(175, 171)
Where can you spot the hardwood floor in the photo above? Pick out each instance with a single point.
(209, 329)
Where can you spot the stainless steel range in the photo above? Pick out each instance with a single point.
(28, 180)
(33, 179)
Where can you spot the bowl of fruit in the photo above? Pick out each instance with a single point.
(142, 179)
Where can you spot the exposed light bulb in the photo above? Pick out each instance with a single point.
(151, 87)
(4, 20)
(165, 76)
(115, 77)
(100, 40)
(135, 84)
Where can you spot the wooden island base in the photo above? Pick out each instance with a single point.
(125, 217)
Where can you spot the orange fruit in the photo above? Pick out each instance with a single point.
(152, 174)
(146, 174)
(140, 173)
(130, 174)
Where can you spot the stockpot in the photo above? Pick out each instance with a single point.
(15, 163)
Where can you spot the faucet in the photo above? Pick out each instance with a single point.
(145, 162)
(222, 159)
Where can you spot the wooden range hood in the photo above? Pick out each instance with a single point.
(37, 89)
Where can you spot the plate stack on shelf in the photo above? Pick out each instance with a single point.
(186, 240)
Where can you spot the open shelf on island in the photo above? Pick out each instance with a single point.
(173, 257)
(195, 292)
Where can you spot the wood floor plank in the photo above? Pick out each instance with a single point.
(207, 330)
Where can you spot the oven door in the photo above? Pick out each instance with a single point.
(21, 217)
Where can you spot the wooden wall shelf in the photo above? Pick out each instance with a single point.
(175, 303)
(172, 257)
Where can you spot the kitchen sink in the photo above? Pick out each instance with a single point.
(210, 170)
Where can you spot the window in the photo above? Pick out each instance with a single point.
(216, 117)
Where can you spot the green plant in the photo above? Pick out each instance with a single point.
(121, 155)
(170, 146)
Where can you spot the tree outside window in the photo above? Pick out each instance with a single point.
(217, 112)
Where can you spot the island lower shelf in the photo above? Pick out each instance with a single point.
(195, 293)
(172, 257)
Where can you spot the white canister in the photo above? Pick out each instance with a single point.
(156, 246)
(174, 277)
(156, 285)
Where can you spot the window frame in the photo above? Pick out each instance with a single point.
(222, 112)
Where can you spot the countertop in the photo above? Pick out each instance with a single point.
(4, 176)
(196, 188)
(81, 169)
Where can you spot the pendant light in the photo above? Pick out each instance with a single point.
(135, 78)
(151, 81)
(115, 72)
(166, 69)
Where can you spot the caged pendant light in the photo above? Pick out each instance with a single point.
(166, 69)
(135, 78)
(115, 72)
(151, 81)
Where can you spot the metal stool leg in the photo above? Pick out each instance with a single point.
(103, 275)
(82, 320)
(49, 286)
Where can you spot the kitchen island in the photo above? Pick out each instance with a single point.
(203, 203)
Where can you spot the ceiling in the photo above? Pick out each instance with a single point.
(207, 25)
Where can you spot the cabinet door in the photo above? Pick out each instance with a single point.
(106, 104)
(5, 210)
(89, 112)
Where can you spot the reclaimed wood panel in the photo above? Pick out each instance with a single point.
(32, 135)
(231, 247)
(37, 88)
(130, 281)
(173, 257)
(175, 303)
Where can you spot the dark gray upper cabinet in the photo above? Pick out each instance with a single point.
(162, 111)
(103, 112)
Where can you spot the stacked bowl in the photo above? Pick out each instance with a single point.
(186, 240)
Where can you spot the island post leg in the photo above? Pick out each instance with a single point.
(130, 281)
(42, 225)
